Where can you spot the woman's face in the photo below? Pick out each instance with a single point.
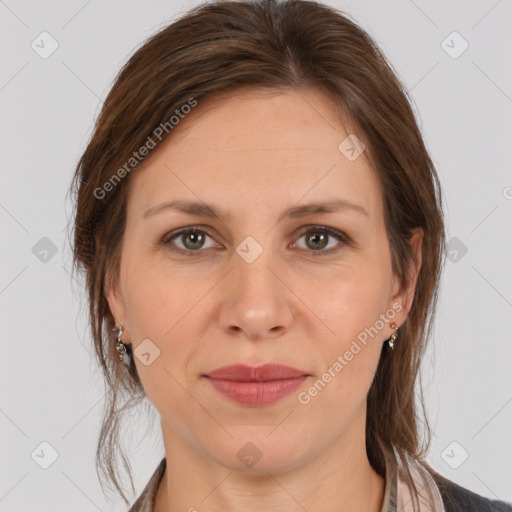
(256, 285)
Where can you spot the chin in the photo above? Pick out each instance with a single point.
(255, 451)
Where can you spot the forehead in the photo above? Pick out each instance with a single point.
(272, 147)
(248, 118)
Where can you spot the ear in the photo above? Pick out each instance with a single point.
(405, 297)
(117, 305)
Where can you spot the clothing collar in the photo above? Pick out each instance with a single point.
(397, 494)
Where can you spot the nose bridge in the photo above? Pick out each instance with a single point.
(256, 299)
(255, 270)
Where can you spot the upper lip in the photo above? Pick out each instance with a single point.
(265, 372)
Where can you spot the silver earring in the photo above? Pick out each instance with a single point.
(394, 336)
(121, 348)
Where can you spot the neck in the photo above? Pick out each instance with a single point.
(341, 478)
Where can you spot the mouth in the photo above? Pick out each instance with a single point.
(256, 386)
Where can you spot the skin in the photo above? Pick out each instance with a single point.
(254, 155)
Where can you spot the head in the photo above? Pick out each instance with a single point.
(256, 109)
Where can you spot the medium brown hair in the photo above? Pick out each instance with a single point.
(273, 45)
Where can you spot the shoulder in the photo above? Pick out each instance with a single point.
(457, 498)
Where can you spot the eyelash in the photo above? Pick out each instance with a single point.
(339, 235)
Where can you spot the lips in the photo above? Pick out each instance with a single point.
(264, 373)
(256, 386)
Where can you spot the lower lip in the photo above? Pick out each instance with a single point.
(257, 393)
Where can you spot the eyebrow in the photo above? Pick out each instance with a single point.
(294, 212)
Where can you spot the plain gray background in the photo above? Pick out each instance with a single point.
(51, 391)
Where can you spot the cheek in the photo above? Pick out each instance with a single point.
(164, 305)
(349, 358)
(349, 301)
(158, 310)
(158, 295)
(352, 305)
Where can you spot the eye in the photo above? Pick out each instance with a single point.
(317, 239)
(193, 239)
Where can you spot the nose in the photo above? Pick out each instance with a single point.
(257, 302)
